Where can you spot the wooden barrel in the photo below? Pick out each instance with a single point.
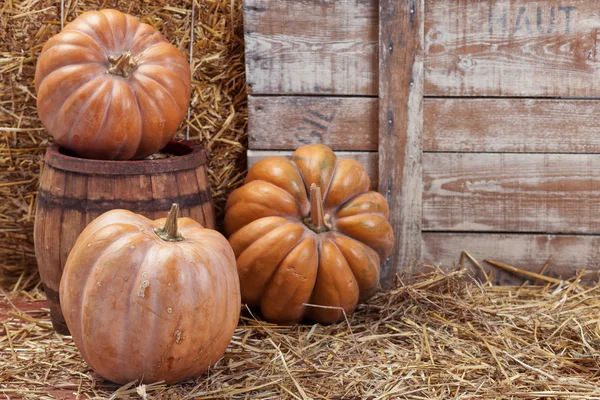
(74, 191)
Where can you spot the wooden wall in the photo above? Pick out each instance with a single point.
(476, 118)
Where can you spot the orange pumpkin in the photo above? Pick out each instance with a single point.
(151, 303)
(294, 248)
(110, 87)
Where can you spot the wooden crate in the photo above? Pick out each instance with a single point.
(476, 118)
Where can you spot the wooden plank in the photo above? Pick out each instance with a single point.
(286, 123)
(100, 196)
(164, 193)
(135, 194)
(208, 207)
(511, 125)
(512, 48)
(187, 183)
(567, 253)
(73, 220)
(557, 193)
(367, 159)
(311, 46)
(400, 128)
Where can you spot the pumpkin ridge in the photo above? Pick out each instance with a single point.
(73, 93)
(326, 191)
(58, 70)
(141, 124)
(64, 40)
(151, 46)
(59, 46)
(104, 119)
(91, 36)
(215, 282)
(364, 248)
(157, 65)
(86, 282)
(283, 259)
(126, 30)
(338, 298)
(152, 101)
(164, 89)
(132, 36)
(151, 251)
(221, 317)
(111, 28)
(330, 240)
(151, 340)
(84, 108)
(306, 190)
(298, 287)
(276, 266)
(162, 64)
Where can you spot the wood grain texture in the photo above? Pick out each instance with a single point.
(208, 207)
(47, 240)
(512, 48)
(73, 220)
(288, 122)
(102, 192)
(511, 125)
(311, 46)
(187, 183)
(134, 193)
(400, 128)
(367, 159)
(567, 253)
(164, 192)
(555, 193)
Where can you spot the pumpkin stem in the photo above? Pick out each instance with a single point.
(169, 231)
(316, 207)
(122, 65)
(317, 221)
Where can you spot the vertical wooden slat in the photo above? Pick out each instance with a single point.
(208, 207)
(100, 196)
(400, 127)
(134, 192)
(47, 239)
(73, 219)
(191, 196)
(164, 193)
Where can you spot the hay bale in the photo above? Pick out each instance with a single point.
(217, 116)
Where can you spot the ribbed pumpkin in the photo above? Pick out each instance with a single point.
(143, 301)
(110, 87)
(294, 248)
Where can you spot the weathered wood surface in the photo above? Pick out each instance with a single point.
(311, 46)
(472, 48)
(368, 160)
(47, 241)
(567, 253)
(288, 122)
(556, 193)
(512, 48)
(511, 125)
(449, 124)
(400, 127)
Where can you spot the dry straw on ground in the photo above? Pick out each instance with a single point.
(217, 117)
(445, 337)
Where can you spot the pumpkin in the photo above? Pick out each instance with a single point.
(150, 300)
(110, 87)
(308, 235)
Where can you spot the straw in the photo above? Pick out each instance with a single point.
(441, 338)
